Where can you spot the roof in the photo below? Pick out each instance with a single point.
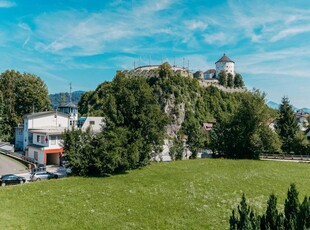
(210, 71)
(48, 131)
(224, 59)
(45, 113)
(69, 105)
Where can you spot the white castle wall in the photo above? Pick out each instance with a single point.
(228, 67)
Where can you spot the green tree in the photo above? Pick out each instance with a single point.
(296, 216)
(165, 70)
(80, 150)
(274, 219)
(244, 134)
(287, 126)
(303, 218)
(177, 150)
(134, 130)
(222, 78)
(291, 208)
(195, 135)
(24, 93)
(230, 80)
(246, 219)
(238, 81)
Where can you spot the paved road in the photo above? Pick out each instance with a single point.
(9, 165)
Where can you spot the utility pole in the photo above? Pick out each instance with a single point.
(70, 95)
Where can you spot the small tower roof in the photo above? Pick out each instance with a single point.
(68, 105)
(224, 59)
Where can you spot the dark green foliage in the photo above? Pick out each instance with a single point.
(295, 216)
(303, 217)
(238, 81)
(21, 94)
(195, 137)
(244, 134)
(134, 130)
(246, 219)
(165, 70)
(59, 98)
(178, 148)
(80, 151)
(230, 80)
(222, 78)
(274, 219)
(287, 126)
(291, 208)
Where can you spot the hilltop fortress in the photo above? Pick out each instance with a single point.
(223, 64)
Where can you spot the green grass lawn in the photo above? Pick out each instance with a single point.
(197, 194)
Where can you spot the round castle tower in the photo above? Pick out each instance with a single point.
(226, 64)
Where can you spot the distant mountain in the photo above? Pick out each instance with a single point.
(274, 105)
(58, 98)
(307, 110)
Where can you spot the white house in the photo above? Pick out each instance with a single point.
(40, 135)
(94, 123)
(225, 64)
(47, 145)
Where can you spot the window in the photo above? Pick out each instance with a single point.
(70, 123)
(91, 122)
(38, 138)
(35, 153)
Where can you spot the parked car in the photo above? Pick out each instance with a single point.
(11, 179)
(43, 175)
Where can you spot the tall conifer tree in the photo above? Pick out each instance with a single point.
(287, 125)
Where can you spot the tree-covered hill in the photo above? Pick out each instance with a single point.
(140, 113)
(59, 98)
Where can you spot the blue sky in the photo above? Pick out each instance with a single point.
(85, 42)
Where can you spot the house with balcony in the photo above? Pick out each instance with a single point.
(40, 135)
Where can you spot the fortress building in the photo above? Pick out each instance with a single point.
(225, 64)
(152, 71)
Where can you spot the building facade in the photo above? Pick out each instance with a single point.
(225, 64)
(40, 136)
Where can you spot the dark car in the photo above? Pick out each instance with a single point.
(43, 175)
(11, 179)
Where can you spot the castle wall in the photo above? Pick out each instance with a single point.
(228, 67)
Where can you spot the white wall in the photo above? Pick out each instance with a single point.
(228, 67)
(45, 120)
(48, 121)
(31, 154)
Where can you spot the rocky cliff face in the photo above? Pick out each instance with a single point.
(177, 114)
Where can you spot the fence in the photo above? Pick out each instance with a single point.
(305, 158)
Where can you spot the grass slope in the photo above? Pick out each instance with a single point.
(197, 194)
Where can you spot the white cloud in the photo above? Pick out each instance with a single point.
(7, 4)
(195, 25)
(82, 33)
(25, 27)
(290, 32)
(288, 62)
(217, 38)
